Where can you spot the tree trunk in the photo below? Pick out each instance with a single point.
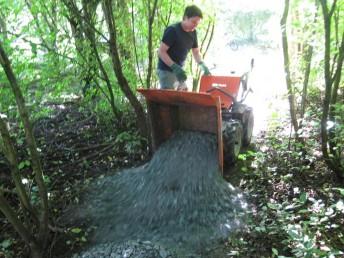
(12, 217)
(134, 44)
(291, 96)
(12, 157)
(90, 34)
(332, 161)
(83, 29)
(35, 159)
(117, 67)
(3, 27)
(308, 62)
(151, 16)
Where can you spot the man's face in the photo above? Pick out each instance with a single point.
(191, 23)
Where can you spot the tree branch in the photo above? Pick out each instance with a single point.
(12, 158)
(16, 223)
(35, 160)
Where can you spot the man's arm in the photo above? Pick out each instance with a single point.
(197, 55)
(162, 52)
(176, 69)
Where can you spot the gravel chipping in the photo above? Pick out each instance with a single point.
(178, 201)
(129, 249)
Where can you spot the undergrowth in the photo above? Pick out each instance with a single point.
(297, 204)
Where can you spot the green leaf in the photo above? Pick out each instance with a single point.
(273, 206)
(303, 211)
(293, 234)
(303, 197)
(21, 165)
(25, 163)
(6, 243)
(341, 190)
(260, 229)
(340, 206)
(274, 251)
(244, 169)
(76, 230)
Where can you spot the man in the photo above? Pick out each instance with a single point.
(176, 43)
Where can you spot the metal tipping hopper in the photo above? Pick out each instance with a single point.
(171, 110)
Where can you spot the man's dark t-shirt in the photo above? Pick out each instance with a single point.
(180, 43)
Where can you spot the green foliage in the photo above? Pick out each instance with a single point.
(39, 60)
(295, 212)
(131, 143)
(78, 237)
(293, 216)
(248, 25)
(341, 190)
(48, 60)
(337, 130)
(23, 164)
(6, 246)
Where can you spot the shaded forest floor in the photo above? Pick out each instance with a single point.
(76, 146)
(296, 204)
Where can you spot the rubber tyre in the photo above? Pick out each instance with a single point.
(248, 124)
(232, 135)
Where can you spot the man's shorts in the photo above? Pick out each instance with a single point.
(167, 80)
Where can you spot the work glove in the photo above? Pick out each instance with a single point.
(204, 68)
(179, 72)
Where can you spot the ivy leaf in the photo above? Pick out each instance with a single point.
(76, 230)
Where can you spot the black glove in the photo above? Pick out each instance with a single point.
(179, 72)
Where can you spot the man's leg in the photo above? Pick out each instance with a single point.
(167, 80)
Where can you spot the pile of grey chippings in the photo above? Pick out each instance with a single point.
(178, 201)
(129, 249)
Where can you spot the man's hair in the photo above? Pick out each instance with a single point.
(192, 11)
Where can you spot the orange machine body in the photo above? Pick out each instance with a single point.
(171, 110)
(225, 87)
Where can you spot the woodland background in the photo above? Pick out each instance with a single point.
(69, 112)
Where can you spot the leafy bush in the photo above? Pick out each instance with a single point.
(298, 209)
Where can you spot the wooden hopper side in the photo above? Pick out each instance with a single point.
(171, 110)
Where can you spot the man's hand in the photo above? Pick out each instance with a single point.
(204, 68)
(179, 72)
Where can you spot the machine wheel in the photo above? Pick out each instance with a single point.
(232, 135)
(248, 127)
